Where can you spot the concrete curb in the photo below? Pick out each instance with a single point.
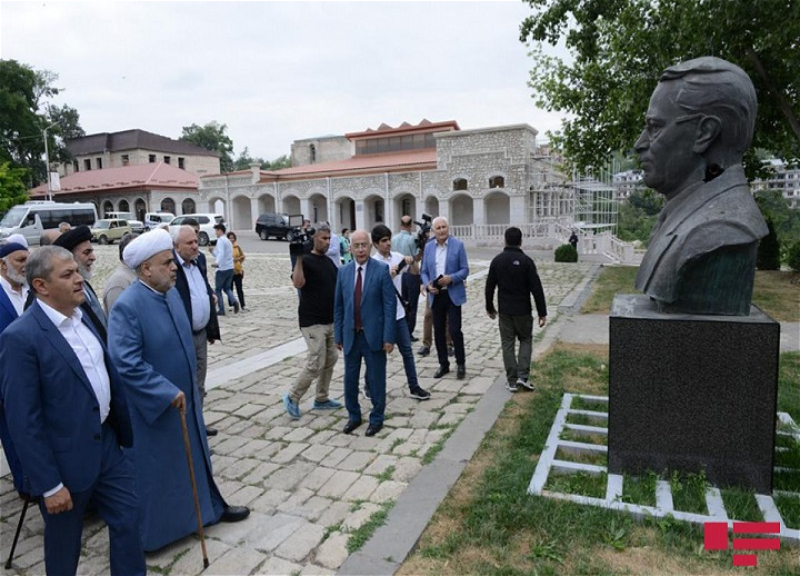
(575, 299)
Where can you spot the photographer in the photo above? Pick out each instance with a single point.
(314, 276)
(407, 244)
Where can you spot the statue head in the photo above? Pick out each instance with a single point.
(700, 121)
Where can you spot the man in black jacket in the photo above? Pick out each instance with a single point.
(515, 276)
(198, 300)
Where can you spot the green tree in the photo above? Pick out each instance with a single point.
(637, 216)
(13, 189)
(244, 161)
(211, 136)
(280, 162)
(68, 128)
(620, 47)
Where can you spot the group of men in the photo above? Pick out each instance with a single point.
(94, 401)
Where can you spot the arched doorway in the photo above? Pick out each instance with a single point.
(124, 206)
(404, 204)
(461, 210)
(266, 204)
(241, 215)
(497, 208)
(107, 207)
(432, 206)
(140, 208)
(291, 205)
(188, 206)
(168, 205)
(318, 205)
(345, 214)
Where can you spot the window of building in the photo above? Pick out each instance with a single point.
(497, 182)
(460, 184)
(312, 153)
(126, 160)
(395, 143)
(167, 159)
(99, 162)
(75, 165)
(181, 163)
(406, 206)
(152, 158)
(87, 164)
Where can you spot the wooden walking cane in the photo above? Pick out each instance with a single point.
(182, 412)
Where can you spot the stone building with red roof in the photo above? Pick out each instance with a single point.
(481, 180)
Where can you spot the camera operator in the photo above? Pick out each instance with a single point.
(314, 276)
(407, 244)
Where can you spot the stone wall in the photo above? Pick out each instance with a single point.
(326, 149)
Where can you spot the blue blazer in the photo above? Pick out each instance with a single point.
(51, 408)
(7, 315)
(7, 311)
(455, 266)
(378, 305)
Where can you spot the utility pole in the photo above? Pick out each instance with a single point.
(47, 161)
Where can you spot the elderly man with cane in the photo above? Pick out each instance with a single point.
(150, 340)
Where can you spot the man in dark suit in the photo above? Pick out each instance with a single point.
(364, 327)
(444, 271)
(199, 300)
(79, 241)
(701, 256)
(68, 416)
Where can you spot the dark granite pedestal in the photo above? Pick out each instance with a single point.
(691, 392)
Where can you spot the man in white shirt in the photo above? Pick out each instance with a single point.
(223, 279)
(68, 416)
(13, 257)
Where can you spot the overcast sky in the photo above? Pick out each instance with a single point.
(275, 72)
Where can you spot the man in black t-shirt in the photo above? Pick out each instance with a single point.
(314, 275)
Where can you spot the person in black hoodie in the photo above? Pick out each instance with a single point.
(514, 274)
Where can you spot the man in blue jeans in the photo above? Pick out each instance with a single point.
(223, 279)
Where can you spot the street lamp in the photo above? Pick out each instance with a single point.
(47, 161)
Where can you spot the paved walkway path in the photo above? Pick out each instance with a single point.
(309, 486)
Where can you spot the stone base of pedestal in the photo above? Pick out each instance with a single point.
(691, 393)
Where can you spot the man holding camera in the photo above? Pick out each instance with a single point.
(314, 276)
(405, 243)
(444, 271)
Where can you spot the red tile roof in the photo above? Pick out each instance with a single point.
(405, 128)
(156, 175)
(364, 164)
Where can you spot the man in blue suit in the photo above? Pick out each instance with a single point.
(68, 415)
(364, 327)
(444, 271)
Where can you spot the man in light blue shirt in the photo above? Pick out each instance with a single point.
(406, 243)
(223, 279)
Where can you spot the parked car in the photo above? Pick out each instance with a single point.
(108, 230)
(156, 219)
(136, 225)
(207, 223)
(271, 224)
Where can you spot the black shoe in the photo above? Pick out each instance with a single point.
(414, 338)
(350, 426)
(373, 429)
(441, 372)
(420, 394)
(424, 351)
(451, 351)
(461, 372)
(211, 431)
(236, 307)
(235, 514)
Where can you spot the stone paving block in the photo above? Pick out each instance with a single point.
(236, 468)
(298, 435)
(191, 563)
(322, 437)
(259, 474)
(356, 461)
(334, 458)
(314, 570)
(268, 502)
(380, 464)
(94, 565)
(423, 419)
(358, 518)
(389, 490)
(253, 431)
(335, 514)
(457, 408)
(408, 449)
(406, 468)
(228, 486)
(338, 484)
(230, 445)
(244, 496)
(317, 452)
(397, 421)
(340, 440)
(298, 497)
(361, 489)
(451, 419)
(236, 533)
(332, 552)
(236, 561)
(418, 437)
(277, 432)
(279, 566)
(302, 542)
(317, 478)
(236, 428)
(255, 447)
(312, 509)
(269, 534)
(290, 475)
(289, 452)
(166, 555)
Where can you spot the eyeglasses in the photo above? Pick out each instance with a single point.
(654, 127)
(359, 245)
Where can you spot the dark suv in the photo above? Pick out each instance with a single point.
(276, 225)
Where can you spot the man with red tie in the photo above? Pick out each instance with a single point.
(364, 327)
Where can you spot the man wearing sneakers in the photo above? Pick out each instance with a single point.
(398, 264)
(314, 276)
(515, 276)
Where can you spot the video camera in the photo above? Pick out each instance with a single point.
(424, 230)
(300, 241)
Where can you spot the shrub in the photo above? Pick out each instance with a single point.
(794, 257)
(566, 253)
(769, 250)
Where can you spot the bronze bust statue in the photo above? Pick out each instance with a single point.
(702, 251)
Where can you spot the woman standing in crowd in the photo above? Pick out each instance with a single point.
(344, 242)
(238, 269)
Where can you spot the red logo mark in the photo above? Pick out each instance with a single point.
(716, 538)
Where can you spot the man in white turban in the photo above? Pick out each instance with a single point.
(150, 342)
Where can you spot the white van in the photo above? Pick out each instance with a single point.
(155, 219)
(36, 216)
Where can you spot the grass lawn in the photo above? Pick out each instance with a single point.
(776, 293)
(489, 525)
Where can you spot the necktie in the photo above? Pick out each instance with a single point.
(357, 302)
